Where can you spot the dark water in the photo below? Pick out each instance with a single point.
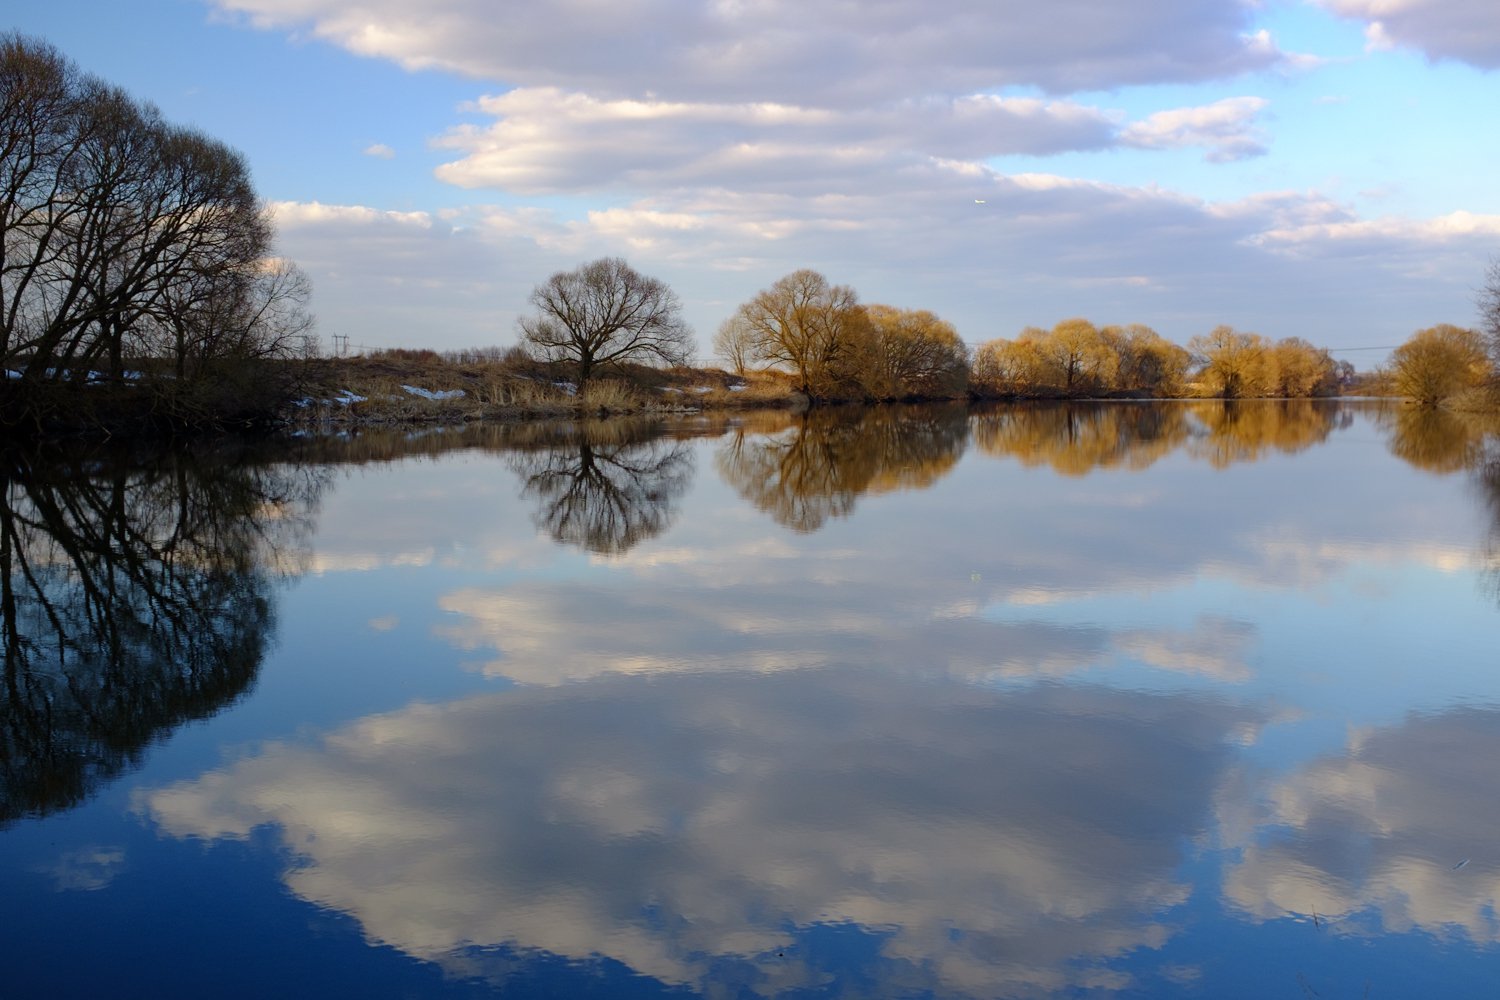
(1131, 700)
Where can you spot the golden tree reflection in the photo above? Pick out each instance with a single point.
(1432, 438)
(818, 465)
(1236, 431)
(1077, 438)
(132, 598)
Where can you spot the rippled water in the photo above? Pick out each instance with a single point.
(1130, 700)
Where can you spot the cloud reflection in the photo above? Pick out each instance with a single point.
(1393, 835)
(552, 633)
(995, 843)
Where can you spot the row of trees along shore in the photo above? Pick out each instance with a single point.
(134, 254)
(130, 247)
(828, 345)
(831, 346)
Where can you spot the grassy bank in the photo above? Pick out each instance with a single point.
(421, 386)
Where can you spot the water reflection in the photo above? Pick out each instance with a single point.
(990, 844)
(603, 485)
(1396, 833)
(1434, 439)
(1078, 438)
(132, 598)
(818, 464)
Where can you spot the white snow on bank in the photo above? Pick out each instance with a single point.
(344, 398)
(434, 394)
(568, 387)
(89, 378)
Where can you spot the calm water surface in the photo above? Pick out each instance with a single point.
(1130, 700)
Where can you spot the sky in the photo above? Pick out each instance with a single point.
(1312, 168)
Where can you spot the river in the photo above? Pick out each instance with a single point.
(1094, 700)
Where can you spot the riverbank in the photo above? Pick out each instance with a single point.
(390, 388)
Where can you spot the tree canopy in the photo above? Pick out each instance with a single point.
(1439, 362)
(124, 236)
(606, 311)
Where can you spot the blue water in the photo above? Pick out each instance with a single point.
(1124, 700)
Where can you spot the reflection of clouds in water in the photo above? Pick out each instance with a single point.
(997, 843)
(1214, 647)
(364, 562)
(551, 634)
(1308, 562)
(1375, 834)
(86, 869)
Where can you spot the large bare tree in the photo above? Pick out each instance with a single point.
(120, 233)
(606, 311)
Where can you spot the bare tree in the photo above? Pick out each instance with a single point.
(735, 342)
(122, 233)
(1489, 310)
(917, 354)
(812, 328)
(606, 311)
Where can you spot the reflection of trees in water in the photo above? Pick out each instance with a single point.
(131, 599)
(603, 485)
(819, 465)
(1076, 438)
(1432, 438)
(1246, 430)
(1486, 478)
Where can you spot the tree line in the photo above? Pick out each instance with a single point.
(829, 345)
(129, 243)
(126, 239)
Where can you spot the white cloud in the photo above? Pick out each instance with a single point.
(380, 151)
(1225, 129)
(913, 236)
(547, 140)
(830, 55)
(1462, 30)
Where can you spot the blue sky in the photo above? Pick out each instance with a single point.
(1318, 169)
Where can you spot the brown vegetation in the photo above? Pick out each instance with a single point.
(1439, 363)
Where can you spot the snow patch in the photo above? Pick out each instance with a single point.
(344, 398)
(434, 394)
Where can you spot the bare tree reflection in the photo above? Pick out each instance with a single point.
(821, 462)
(605, 485)
(131, 599)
